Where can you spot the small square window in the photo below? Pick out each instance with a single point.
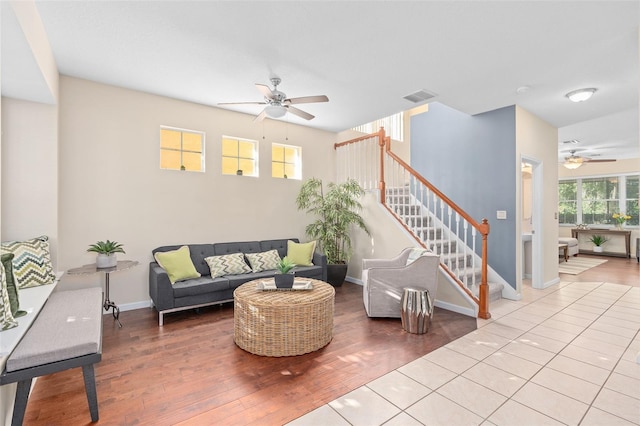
(181, 149)
(286, 161)
(239, 156)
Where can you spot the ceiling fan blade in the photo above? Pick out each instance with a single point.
(265, 90)
(300, 113)
(260, 116)
(306, 100)
(599, 161)
(242, 103)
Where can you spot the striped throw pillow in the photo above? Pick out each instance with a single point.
(31, 262)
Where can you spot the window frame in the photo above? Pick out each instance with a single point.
(622, 199)
(297, 164)
(238, 158)
(181, 150)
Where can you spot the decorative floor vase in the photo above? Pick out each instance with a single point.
(416, 310)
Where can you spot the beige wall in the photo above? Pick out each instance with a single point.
(111, 185)
(29, 171)
(602, 169)
(538, 140)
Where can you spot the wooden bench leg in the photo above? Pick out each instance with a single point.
(20, 405)
(90, 389)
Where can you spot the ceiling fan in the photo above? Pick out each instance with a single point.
(574, 161)
(277, 103)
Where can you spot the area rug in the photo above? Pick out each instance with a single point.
(576, 265)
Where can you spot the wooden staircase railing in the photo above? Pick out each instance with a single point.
(435, 221)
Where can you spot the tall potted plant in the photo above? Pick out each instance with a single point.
(336, 210)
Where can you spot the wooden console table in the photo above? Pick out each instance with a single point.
(614, 232)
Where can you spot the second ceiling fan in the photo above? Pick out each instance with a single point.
(277, 103)
(574, 161)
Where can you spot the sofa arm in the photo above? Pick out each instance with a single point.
(320, 259)
(160, 288)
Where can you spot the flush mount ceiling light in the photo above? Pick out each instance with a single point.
(581, 95)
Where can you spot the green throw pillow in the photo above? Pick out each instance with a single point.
(12, 289)
(227, 264)
(6, 318)
(301, 253)
(178, 264)
(263, 261)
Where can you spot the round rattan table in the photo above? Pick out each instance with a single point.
(283, 322)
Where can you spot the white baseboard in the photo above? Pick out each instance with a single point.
(552, 282)
(354, 280)
(470, 312)
(132, 306)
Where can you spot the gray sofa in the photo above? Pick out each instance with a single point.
(197, 292)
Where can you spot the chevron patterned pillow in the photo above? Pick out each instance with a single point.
(263, 261)
(6, 318)
(32, 261)
(228, 264)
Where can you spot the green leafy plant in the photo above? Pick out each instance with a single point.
(285, 265)
(106, 247)
(598, 240)
(337, 210)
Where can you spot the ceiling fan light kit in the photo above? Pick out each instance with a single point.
(581, 95)
(574, 161)
(277, 103)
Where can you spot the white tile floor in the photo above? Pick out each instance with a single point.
(564, 355)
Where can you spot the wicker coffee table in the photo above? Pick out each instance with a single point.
(283, 323)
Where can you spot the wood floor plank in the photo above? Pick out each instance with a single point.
(191, 372)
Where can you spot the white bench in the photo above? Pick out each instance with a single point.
(66, 334)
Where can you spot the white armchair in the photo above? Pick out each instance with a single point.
(384, 280)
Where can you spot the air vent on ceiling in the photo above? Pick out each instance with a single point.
(420, 96)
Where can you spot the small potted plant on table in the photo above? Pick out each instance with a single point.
(598, 241)
(284, 277)
(106, 253)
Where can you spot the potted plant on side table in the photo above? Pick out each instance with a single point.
(337, 210)
(284, 277)
(106, 253)
(598, 241)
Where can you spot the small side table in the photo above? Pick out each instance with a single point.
(565, 248)
(93, 269)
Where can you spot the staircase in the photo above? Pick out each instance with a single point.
(422, 224)
(434, 221)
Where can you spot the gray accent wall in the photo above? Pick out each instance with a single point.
(472, 160)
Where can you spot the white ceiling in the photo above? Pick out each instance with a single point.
(365, 56)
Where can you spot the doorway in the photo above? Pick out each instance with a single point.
(531, 230)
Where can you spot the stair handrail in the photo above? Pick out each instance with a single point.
(482, 227)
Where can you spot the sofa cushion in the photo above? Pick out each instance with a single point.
(241, 247)
(263, 261)
(280, 245)
(228, 264)
(308, 271)
(178, 264)
(202, 285)
(237, 280)
(301, 253)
